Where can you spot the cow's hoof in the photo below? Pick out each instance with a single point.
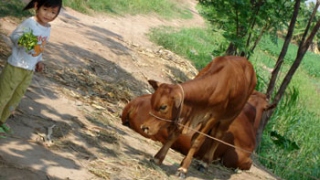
(156, 161)
(201, 168)
(152, 160)
(181, 174)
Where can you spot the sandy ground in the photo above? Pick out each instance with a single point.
(95, 65)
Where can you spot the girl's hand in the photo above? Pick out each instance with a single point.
(40, 66)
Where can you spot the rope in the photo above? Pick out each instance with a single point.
(180, 111)
(228, 144)
(219, 140)
(184, 126)
(216, 139)
(162, 119)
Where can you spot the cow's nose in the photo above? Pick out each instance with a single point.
(145, 129)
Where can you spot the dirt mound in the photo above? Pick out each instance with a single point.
(67, 125)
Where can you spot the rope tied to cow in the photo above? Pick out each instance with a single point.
(177, 119)
(162, 119)
(216, 139)
(184, 126)
(228, 144)
(178, 122)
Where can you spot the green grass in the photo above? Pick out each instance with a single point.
(195, 44)
(13, 8)
(164, 8)
(310, 62)
(299, 124)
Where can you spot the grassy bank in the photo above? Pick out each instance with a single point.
(13, 8)
(164, 8)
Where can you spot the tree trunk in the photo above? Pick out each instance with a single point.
(232, 49)
(284, 50)
(276, 70)
(266, 116)
(256, 6)
(265, 27)
(303, 47)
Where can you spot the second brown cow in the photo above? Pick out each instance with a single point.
(241, 132)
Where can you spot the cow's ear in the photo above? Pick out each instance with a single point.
(154, 84)
(177, 100)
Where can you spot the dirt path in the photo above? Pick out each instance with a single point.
(95, 66)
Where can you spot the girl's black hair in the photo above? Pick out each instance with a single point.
(46, 3)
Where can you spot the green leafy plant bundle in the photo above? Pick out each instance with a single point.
(28, 40)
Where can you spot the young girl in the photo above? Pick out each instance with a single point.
(17, 74)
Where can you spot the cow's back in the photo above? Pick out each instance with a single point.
(241, 83)
(226, 84)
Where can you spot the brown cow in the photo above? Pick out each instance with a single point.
(137, 111)
(209, 102)
(241, 132)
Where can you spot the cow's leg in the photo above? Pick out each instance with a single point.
(244, 161)
(198, 141)
(208, 157)
(230, 158)
(218, 133)
(161, 154)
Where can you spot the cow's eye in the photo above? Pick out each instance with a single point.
(163, 107)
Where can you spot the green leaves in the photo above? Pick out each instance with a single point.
(245, 21)
(283, 142)
(28, 40)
